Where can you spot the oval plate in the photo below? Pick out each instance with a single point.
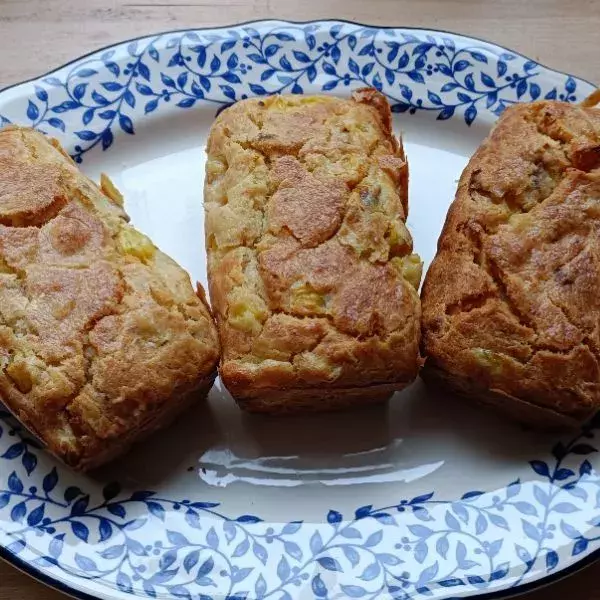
(421, 498)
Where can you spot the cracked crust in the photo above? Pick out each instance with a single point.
(511, 309)
(102, 338)
(311, 272)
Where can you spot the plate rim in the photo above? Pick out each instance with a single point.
(37, 573)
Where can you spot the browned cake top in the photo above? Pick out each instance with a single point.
(310, 265)
(512, 299)
(97, 327)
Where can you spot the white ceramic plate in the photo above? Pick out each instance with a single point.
(425, 497)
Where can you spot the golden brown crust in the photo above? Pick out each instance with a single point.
(102, 337)
(510, 304)
(311, 274)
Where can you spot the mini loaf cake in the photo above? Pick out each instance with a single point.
(511, 303)
(311, 272)
(102, 338)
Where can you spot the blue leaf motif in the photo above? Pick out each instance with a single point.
(14, 451)
(461, 65)
(41, 93)
(283, 569)
(124, 583)
(479, 56)
(526, 508)
(191, 560)
(86, 73)
(55, 547)
(32, 111)
(316, 543)
(29, 461)
(116, 509)
(421, 552)
(487, 80)
(260, 587)
(579, 546)
(84, 563)
(291, 527)
(562, 474)
(241, 548)
(86, 135)
(105, 530)
(551, 560)
(241, 574)
(112, 86)
(480, 524)
(446, 113)
(500, 572)
(336, 54)
(351, 554)
(416, 76)
(442, 546)
(403, 61)
(176, 538)
(293, 550)
(144, 71)
(260, 552)
(427, 575)
(205, 568)
(353, 66)
(585, 468)
(531, 531)
(36, 515)
(127, 126)
(71, 493)
(451, 521)
(565, 507)
(80, 530)
(494, 548)
(420, 530)
(301, 56)
(17, 514)
(374, 539)
(371, 572)
(318, 587)
(212, 539)
(470, 115)
(99, 99)
(540, 495)
(329, 563)
(353, 591)
(15, 485)
(434, 98)
(4, 500)
(257, 58)
(271, 50)
(50, 480)
(113, 551)
(534, 91)
(523, 553)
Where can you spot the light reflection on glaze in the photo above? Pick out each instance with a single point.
(221, 466)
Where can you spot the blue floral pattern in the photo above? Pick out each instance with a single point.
(419, 546)
(140, 543)
(107, 92)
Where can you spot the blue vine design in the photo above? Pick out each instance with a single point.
(420, 546)
(443, 74)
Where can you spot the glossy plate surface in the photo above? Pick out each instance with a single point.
(423, 498)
